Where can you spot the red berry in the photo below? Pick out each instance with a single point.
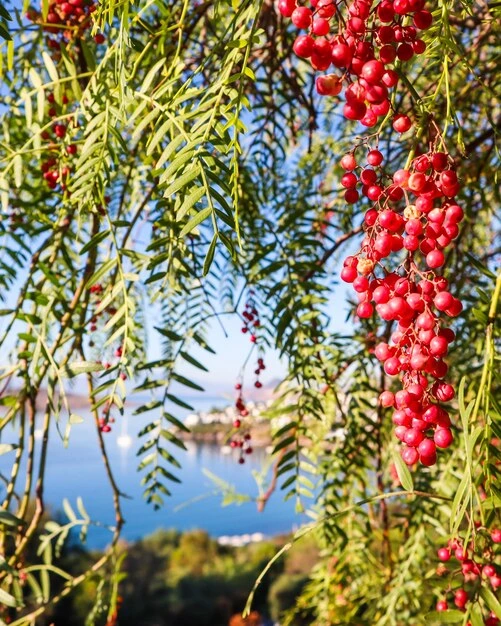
(351, 196)
(286, 7)
(489, 570)
(413, 437)
(390, 78)
(326, 8)
(341, 55)
(460, 598)
(372, 71)
(405, 51)
(443, 437)
(427, 448)
(435, 258)
(304, 46)
(422, 19)
(60, 130)
(438, 346)
(348, 274)
(401, 123)
(386, 399)
(387, 54)
(328, 85)
(320, 26)
(348, 162)
(301, 17)
(409, 455)
(374, 158)
(365, 310)
(355, 110)
(444, 554)
(349, 180)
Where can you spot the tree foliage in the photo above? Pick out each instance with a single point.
(177, 165)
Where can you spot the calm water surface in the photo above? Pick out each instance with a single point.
(78, 471)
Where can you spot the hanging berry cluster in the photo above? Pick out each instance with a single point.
(470, 570)
(250, 316)
(56, 167)
(66, 23)
(351, 42)
(414, 216)
(66, 20)
(241, 437)
(259, 368)
(251, 323)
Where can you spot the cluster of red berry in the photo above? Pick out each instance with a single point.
(259, 368)
(66, 20)
(414, 214)
(56, 168)
(106, 419)
(475, 569)
(388, 30)
(241, 437)
(415, 297)
(251, 323)
(250, 317)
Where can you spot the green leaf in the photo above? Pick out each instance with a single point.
(102, 271)
(480, 267)
(173, 420)
(6, 447)
(403, 472)
(7, 599)
(189, 201)
(195, 221)
(81, 367)
(284, 428)
(182, 181)
(4, 13)
(444, 617)
(49, 65)
(284, 443)
(491, 600)
(81, 508)
(18, 170)
(475, 615)
(193, 361)
(9, 519)
(186, 382)
(4, 32)
(210, 255)
(95, 241)
(179, 402)
(70, 513)
(170, 334)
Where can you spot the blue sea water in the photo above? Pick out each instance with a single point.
(77, 471)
